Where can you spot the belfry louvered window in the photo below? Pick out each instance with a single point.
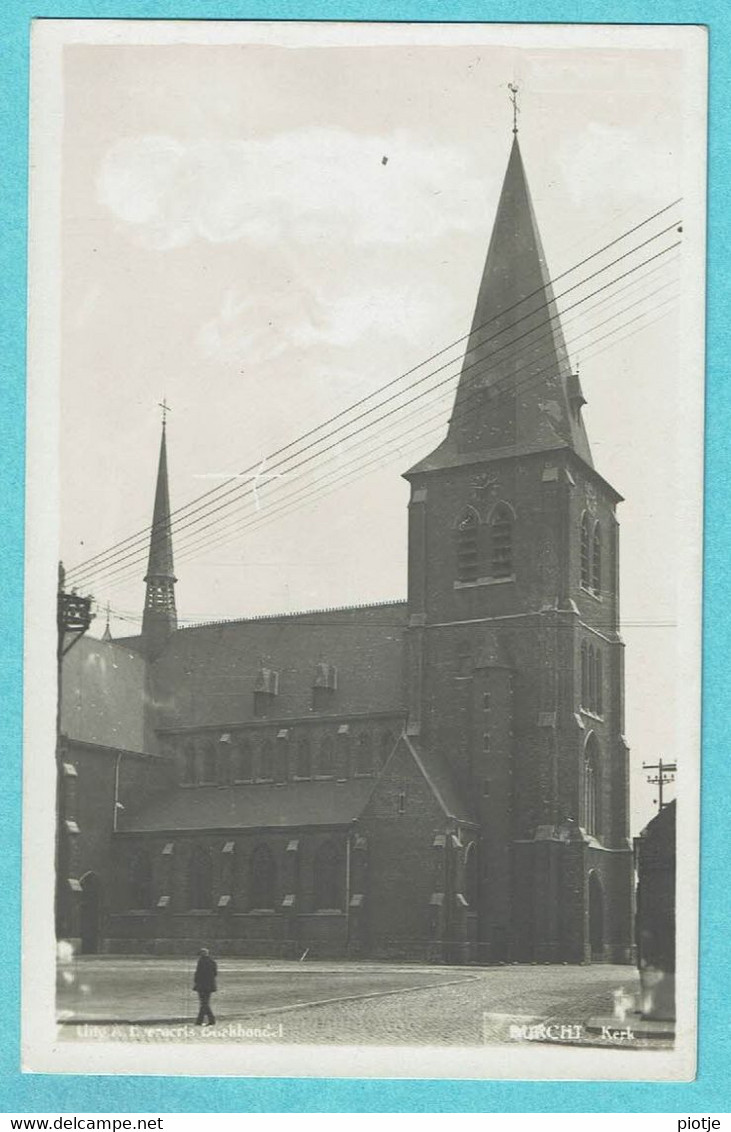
(585, 563)
(467, 547)
(501, 542)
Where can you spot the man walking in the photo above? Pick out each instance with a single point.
(205, 984)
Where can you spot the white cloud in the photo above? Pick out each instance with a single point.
(253, 329)
(308, 186)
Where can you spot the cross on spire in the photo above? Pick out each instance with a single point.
(165, 410)
(516, 109)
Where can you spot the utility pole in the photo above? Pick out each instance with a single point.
(665, 773)
(73, 618)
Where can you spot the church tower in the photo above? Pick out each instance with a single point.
(160, 617)
(515, 658)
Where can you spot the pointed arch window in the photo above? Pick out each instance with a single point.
(304, 759)
(243, 762)
(467, 546)
(266, 761)
(596, 560)
(206, 763)
(585, 556)
(326, 762)
(263, 880)
(599, 691)
(591, 786)
(328, 878)
(189, 764)
(471, 874)
(140, 880)
(200, 879)
(501, 542)
(364, 754)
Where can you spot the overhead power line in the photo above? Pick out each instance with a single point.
(145, 531)
(257, 518)
(102, 567)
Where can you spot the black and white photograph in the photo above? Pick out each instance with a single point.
(364, 519)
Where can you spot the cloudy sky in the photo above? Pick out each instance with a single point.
(264, 233)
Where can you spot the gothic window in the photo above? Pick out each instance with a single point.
(471, 874)
(501, 542)
(328, 878)
(585, 564)
(189, 764)
(364, 755)
(200, 879)
(591, 704)
(596, 561)
(326, 765)
(266, 761)
(263, 879)
(591, 786)
(304, 759)
(140, 880)
(599, 697)
(243, 762)
(584, 675)
(467, 547)
(208, 763)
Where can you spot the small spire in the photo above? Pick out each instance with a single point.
(516, 110)
(107, 634)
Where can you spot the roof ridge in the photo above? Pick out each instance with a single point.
(288, 616)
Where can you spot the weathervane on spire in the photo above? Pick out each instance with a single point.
(165, 410)
(516, 110)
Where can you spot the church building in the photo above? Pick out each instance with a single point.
(443, 778)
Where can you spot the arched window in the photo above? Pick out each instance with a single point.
(471, 874)
(596, 561)
(364, 754)
(263, 879)
(598, 683)
(467, 547)
(189, 764)
(585, 563)
(200, 879)
(266, 761)
(387, 745)
(591, 703)
(304, 759)
(584, 675)
(243, 762)
(326, 762)
(591, 786)
(501, 541)
(328, 878)
(208, 763)
(140, 880)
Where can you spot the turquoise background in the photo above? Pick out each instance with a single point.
(45, 1093)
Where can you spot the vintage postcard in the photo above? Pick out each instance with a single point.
(358, 742)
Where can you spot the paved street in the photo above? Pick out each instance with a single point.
(349, 1003)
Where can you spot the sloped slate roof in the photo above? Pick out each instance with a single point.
(257, 806)
(437, 773)
(207, 673)
(103, 691)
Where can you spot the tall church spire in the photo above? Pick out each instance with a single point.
(160, 617)
(516, 392)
